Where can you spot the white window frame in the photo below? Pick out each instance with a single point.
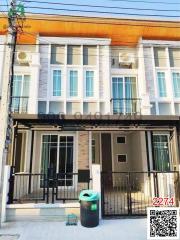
(123, 77)
(174, 71)
(75, 150)
(51, 84)
(160, 70)
(95, 87)
(68, 83)
(120, 154)
(121, 136)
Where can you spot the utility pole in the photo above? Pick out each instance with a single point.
(16, 12)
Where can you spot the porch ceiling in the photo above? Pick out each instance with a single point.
(92, 122)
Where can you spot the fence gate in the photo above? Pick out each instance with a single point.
(130, 193)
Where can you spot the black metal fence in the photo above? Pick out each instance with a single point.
(126, 105)
(130, 193)
(48, 188)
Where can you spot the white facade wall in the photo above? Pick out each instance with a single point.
(169, 105)
(41, 84)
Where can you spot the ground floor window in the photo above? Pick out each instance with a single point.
(57, 156)
(161, 152)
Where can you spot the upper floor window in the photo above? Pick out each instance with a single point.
(89, 55)
(57, 54)
(160, 57)
(56, 82)
(20, 93)
(73, 55)
(162, 84)
(174, 55)
(124, 92)
(73, 83)
(89, 83)
(176, 84)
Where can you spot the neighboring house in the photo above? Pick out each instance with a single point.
(82, 100)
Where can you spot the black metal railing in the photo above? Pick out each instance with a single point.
(130, 193)
(126, 105)
(48, 188)
(19, 104)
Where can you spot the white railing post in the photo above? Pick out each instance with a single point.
(96, 183)
(5, 192)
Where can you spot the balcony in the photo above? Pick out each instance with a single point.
(19, 104)
(126, 105)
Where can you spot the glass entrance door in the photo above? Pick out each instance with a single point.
(57, 158)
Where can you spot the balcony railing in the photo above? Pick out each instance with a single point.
(19, 104)
(126, 105)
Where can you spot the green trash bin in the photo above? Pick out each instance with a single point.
(89, 208)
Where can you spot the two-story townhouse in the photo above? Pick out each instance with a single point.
(83, 97)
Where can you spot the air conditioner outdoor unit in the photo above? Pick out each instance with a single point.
(126, 58)
(23, 57)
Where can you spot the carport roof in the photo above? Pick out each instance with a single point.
(95, 122)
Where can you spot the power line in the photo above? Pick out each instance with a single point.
(97, 6)
(83, 20)
(146, 2)
(99, 12)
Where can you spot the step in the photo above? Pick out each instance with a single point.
(41, 212)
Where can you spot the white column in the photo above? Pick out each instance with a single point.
(34, 84)
(5, 192)
(96, 183)
(145, 103)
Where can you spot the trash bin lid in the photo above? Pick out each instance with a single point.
(88, 195)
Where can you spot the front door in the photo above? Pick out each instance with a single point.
(57, 158)
(106, 152)
(161, 152)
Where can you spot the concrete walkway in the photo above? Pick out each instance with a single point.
(131, 229)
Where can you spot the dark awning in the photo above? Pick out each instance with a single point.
(95, 122)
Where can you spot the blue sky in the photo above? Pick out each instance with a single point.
(113, 6)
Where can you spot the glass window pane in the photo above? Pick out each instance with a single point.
(174, 55)
(57, 54)
(56, 83)
(89, 55)
(161, 152)
(160, 57)
(73, 83)
(162, 84)
(73, 55)
(26, 82)
(176, 84)
(17, 85)
(89, 83)
(41, 107)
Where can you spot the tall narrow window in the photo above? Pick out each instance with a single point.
(73, 83)
(117, 91)
(160, 57)
(73, 55)
(161, 153)
(162, 84)
(176, 84)
(20, 93)
(124, 95)
(56, 83)
(174, 55)
(89, 55)
(57, 155)
(89, 83)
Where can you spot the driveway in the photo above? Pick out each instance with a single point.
(131, 229)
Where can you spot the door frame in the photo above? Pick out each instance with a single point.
(75, 146)
(112, 149)
(169, 147)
